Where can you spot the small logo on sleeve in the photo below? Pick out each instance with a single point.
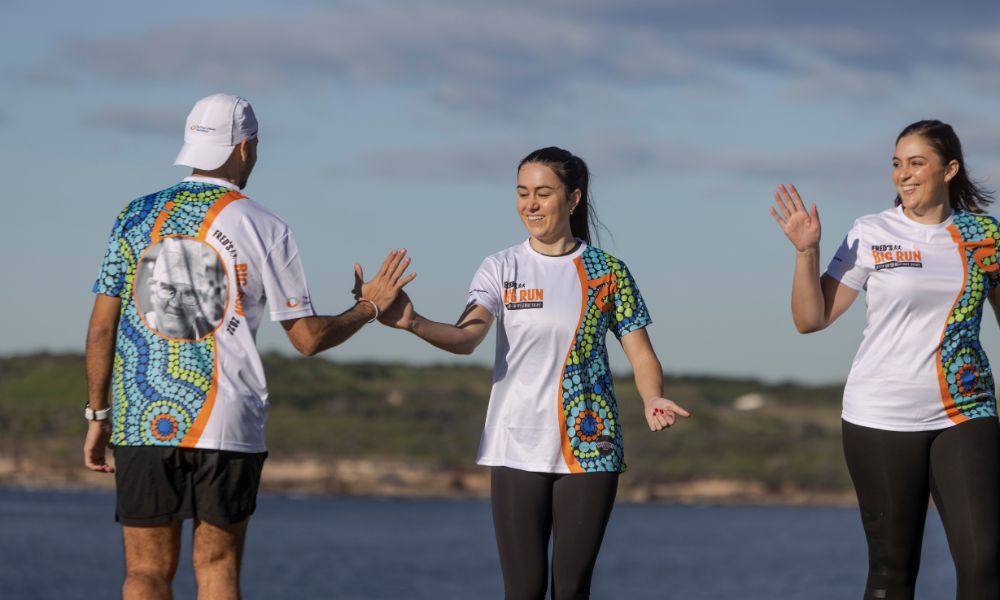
(293, 302)
(518, 296)
(893, 256)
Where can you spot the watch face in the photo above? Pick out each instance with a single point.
(97, 415)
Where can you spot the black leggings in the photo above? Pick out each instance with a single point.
(527, 507)
(894, 471)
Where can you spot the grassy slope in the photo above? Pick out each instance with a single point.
(435, 414)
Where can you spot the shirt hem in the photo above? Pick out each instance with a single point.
(534, 468)
(210, 445)
(560, 469)
(935, 426)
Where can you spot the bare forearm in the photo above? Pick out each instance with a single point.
(648, 374)
(100, 361)
(316, 334)
(808, 305)
(451, 338)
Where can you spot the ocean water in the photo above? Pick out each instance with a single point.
(65, 545)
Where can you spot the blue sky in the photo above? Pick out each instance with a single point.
(400, 124)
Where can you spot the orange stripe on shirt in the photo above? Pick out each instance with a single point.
(949, 403)
(567, 449)
(161, 218)
(193, 435)
(213, 212)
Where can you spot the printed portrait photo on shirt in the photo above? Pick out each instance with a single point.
(181, 288)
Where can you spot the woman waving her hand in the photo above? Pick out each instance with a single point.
(920, 416)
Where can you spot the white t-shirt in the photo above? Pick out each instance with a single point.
(552, 408)
(920, 365)
(194, 266)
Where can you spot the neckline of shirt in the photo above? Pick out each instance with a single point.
(577, 252)
(212, 180)
(925, 226)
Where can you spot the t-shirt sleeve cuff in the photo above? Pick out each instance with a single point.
(845, 279)
(106, 291)
(621, 332)
(298, 313)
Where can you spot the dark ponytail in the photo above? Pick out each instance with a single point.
(574, 175)
(964, 193)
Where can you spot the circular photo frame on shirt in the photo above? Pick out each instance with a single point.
(181, 289)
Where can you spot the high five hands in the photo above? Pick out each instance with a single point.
(386, 286)
(801, 227)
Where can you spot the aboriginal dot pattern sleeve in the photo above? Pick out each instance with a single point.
(591, 428)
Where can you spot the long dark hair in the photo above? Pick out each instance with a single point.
(964, 193)
(574, 175)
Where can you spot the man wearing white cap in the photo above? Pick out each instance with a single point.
(182, 289)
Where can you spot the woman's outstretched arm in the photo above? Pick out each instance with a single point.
(461, 338)
(660, 412)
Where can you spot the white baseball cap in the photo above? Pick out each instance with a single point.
(214, 127)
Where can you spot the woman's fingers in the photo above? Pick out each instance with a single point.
(777, 218)
(402, 282)
(677, 409)
(779, 198)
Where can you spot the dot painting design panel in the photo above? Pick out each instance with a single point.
(964, 369)
(588, 399)
(159, 385)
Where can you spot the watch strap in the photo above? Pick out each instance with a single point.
(97, 415)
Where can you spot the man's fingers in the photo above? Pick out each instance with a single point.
(385, 265)
(98, 467)
(401, 268)
(391, 262)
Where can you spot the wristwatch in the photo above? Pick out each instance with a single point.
(97, 415)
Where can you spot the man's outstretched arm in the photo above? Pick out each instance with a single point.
(312, 335)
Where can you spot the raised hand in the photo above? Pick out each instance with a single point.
(662, 413)
(801, 227)
(399, 314)
(383, 288)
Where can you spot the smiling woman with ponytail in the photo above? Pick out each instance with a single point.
(920, 410)
(553, 437)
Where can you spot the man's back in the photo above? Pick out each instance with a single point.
(194, 265)
(181, 292)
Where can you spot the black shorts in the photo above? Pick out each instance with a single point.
(157, 484)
